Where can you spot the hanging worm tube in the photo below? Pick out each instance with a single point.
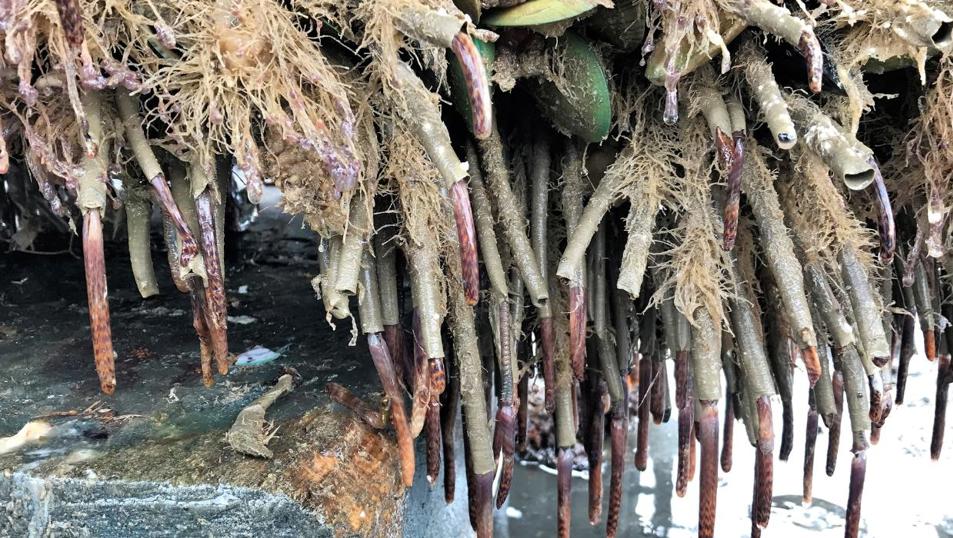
(923, 295)
(619, 429)
(372, 320)
(810, 442)
(680, 332)
(486, 234)
(197, 297)
(761, 508)
(352, 247)
(766, 92)
(478, 87)
(866, 310)
(735, 166)
(434, 438)
(908, 349)
(642, 435)
(706, 369)
(504, 433)
(421, 379)
(216, 307)
(858, 471)
(885, 224)
(607, 356)
(511, 219)
(539, 209)
(98, 298)
(448, 419)
(779, 21)
(449, 30)
(385, 371)
(780, 257)
(423, 117)
(91, 199)
(944, 375)
(760, 384)
(731, 400)
(522, 413)
(638, 225)
(385, 250)
(428, 295)
(846, 157)
(597, 432)
(335, 304)
(572, 213)
(478, 443)
(340, 394)
(132, 124)
(138, 210)
(833, 440)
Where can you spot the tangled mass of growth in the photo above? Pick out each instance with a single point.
(579, 191)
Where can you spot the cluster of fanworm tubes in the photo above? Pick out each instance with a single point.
(730, 228)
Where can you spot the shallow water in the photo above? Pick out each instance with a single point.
(906, 493)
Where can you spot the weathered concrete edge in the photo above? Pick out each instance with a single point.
(34, 506)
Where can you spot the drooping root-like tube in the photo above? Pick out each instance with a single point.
(539, 233)
(923, 295)
(485, 223)
(421, 380)
(766, 92)
(434, 439)
(607, 355)
(708, 487)
(199, 322)
(140, 251)
(858, 472)
(780, 257)
(98, 297)
(846, 157)
(908, 349)
(563, 491)
(522, 413)
(478, 87)
(686, 419)
(944, 375)
(132, 123)
(866, 308)
(479, 446)
(215, 284)
(383, 362)
(91, 199)
(833, 439)
(352, 247)
(597, 432)
(423, 117)
(504, 434)
(642, 437)
(728, 434)
(779, 21)
(885, 223)
(572, 196)
(619, 429)
(340, 394)
(810, 442)
(764, 463)
(466, 235)
(511, 219)
(448, 419)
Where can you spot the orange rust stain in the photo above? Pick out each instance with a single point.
(355, 485)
